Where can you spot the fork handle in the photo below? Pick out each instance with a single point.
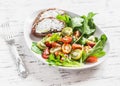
(22, 71)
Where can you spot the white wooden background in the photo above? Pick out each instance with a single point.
(14, 12)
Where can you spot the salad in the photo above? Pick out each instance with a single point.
(74, 45)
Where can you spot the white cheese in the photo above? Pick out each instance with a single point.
(49, 24)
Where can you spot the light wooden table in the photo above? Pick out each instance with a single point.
(14, 12)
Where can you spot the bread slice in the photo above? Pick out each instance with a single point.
(47, 25)
(46, 22)
(52, 12)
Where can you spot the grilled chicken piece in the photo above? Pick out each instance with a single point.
(47, 25)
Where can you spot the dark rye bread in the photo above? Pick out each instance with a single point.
(46, 14)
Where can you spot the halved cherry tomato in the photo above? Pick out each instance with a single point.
(91, 43)
(92, 59)
(66, 48)
(55, 44)
(66, 39)
(45, 56)
(45, 53)
(76, 46)
(48, 44)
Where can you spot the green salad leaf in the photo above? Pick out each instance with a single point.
(54, 37)
(66, 18)
(52, 60)
(35, 49)
(76, 22)
(97, 50)
(88, 26)
(98, 54)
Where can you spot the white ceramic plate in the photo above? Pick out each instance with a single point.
(30, 38)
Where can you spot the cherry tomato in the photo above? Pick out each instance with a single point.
(76, 46)
(55, 44)
(45, 56)
(45, 53)
(66, 39)
(48, 44)
(91, 43)
(66, 48)
(92, 59)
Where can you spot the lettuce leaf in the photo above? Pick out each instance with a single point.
(35, 49)
(66, 18)
(76, 22)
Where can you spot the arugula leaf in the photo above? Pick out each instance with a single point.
(83, 41)
(66, 18)
(88, 27)
(35, 49)
(97, 50)
(98, 54)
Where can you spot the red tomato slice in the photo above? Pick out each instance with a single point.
(55, 44)
(76, 46)
(92, 59)
(45, 53)
(48, 44)
(66, 39)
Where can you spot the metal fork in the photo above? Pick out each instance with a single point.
(8, 35)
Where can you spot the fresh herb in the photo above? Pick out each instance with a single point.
(83, 41)
(35, 49)
(99, 54)
(88, 27)
(66, 18)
